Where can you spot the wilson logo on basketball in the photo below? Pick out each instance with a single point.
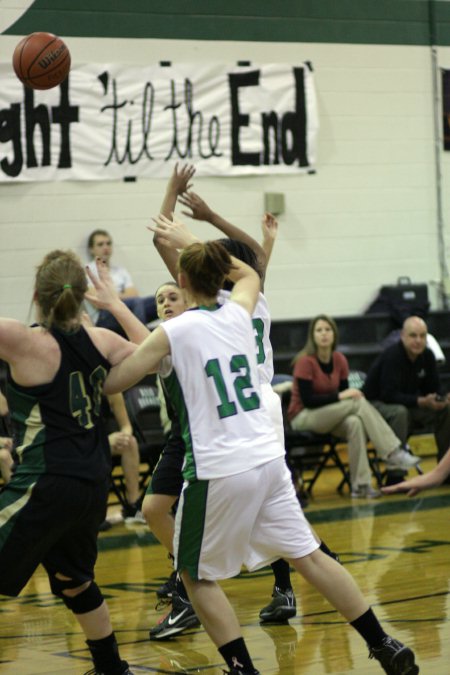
(51, 57)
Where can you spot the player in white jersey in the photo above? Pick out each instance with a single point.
(244, 247)
(229, 507)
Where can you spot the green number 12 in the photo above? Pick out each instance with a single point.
(227, 407)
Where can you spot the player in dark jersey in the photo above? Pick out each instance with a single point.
(51, 508)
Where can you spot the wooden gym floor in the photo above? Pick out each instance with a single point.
(398, 550)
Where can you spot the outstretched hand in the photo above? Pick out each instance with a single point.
(172, 233)
(414, 485)
(199, 209)
(269, 226)
(180, 180)
(104, 294)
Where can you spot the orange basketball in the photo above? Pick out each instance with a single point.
(41, 61)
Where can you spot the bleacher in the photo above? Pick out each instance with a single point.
(360, 339)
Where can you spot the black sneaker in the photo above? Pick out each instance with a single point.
(168, 587)
(176, 621)
(235, 671)
(282, 607)
(395, 658)
(94, 671)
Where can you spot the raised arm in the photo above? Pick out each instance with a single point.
(179, 183)
(199, 210)
(269, 228)
(176, 235)
(106, 297)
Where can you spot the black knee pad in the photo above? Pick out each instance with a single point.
(86, 601)
(57, 586)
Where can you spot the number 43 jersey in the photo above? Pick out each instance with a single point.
(57, 426)
(214, 385)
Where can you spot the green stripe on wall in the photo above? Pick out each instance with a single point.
(404, 22)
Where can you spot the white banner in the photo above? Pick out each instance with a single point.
(110, 122)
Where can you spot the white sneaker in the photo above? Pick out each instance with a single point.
(138, 517)
(400, 459)
(364, 492)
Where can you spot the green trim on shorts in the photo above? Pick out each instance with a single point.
(12, 500)
(195, 497)
(176, 396)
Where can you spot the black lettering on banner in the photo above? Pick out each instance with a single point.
(37, 118)
(294, 124)
(238, 120)
(121, 155)
(64, 115)
(10, 132)
(283, 140)
(194, 134)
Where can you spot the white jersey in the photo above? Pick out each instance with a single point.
(214, 386)
(261, 327)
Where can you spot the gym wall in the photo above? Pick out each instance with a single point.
(365, 217)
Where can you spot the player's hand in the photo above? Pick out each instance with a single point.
(269, 226)
(172, 233)
(119, 440)
(105, 294)
(414, 485)
(180, 180)
(199, 209)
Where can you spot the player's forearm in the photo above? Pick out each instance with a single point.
(169, 202)
(443, 468)
(133, 327)
(234, 232)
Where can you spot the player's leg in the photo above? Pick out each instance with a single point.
(70, 568)
(204, 549)
(129, 460)
(220, 622)
(162, 494)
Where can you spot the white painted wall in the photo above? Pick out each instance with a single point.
(365, 218)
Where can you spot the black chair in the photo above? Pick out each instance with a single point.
(307, 450)
(143, 406)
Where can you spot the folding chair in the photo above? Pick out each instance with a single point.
(306, 450)
(143, 406)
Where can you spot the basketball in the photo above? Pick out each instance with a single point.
(41, 61)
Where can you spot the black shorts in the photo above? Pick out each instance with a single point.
(52, 520)
(167, 478)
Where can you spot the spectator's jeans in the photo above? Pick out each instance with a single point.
(143, 308)
(405, 421)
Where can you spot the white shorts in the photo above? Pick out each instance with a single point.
(251, 518)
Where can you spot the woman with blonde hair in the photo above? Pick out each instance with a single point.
(323, 402)
(56, 499)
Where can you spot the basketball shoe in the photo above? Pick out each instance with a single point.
(395, 658)
(126, 670)
(168, 587)
(282, 607)
(180, 618)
